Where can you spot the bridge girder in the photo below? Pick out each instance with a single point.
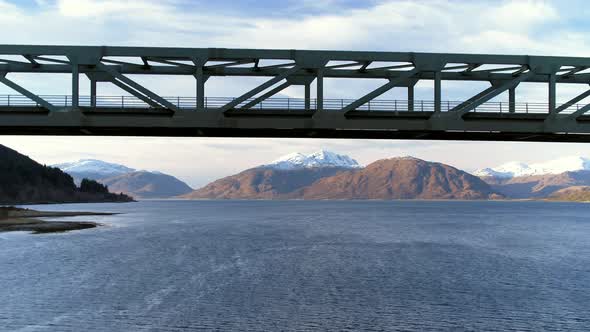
(286, 68)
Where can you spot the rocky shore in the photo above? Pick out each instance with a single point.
(19, 219)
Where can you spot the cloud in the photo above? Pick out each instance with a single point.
(519, 16)
(93, 8)
(389, 25)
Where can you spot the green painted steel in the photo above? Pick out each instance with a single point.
(152, 114)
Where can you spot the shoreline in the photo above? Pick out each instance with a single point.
(61, 202)
(376, 200)
(14, 219)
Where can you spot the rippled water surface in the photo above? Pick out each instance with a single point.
(275, 266)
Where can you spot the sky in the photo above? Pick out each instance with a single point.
(503, 27)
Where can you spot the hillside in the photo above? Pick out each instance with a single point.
(537, 186)
(262, 183)
(92, 169)
(400, 178)
(143, 184)
(120, 178)
(23, 180)
(397, 178)
(572, 194)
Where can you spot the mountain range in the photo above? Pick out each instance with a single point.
(519, 169)
(539, 180)
(93, 169)
(139, 184)
(328, 175)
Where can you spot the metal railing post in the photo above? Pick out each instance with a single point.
(111, 101)
(8, 100)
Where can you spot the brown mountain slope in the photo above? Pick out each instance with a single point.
(143, 184)
(261, 183)
(399, 178)
(538, 186)
(573, 194)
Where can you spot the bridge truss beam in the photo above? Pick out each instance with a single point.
(246, 116)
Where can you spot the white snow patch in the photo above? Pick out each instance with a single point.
(320, 158)
(556, 166)
(94, 166)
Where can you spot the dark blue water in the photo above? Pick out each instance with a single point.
(274, 266)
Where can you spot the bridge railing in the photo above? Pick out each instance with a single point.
(278, 103)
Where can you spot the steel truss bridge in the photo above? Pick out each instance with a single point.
(256, 113)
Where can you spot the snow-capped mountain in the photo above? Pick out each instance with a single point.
(320, 158)
(119, 178)
(93, 168)
(556, 166)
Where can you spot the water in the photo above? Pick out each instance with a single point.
(274, 266)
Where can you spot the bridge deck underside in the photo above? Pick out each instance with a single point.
(488, 126)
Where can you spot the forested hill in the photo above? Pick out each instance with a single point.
(23, 180)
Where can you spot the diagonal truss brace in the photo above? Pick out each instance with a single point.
(137, 88)
(26, 93)
(579, 112)
(393, 82)
(573, 101)
(490, 93)
(266, 95)
(259, 89)
(474, 98)
(134, 93)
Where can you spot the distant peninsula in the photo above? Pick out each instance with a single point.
(20, 219)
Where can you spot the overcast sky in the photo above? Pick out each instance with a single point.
(512, 27)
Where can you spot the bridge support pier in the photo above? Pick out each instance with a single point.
(552, 93)
(93, 93)
(411, 96)
(512, 99)
(75, 85)
(200, 79)
(320, 90)
(307, 96)
(437, 92)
